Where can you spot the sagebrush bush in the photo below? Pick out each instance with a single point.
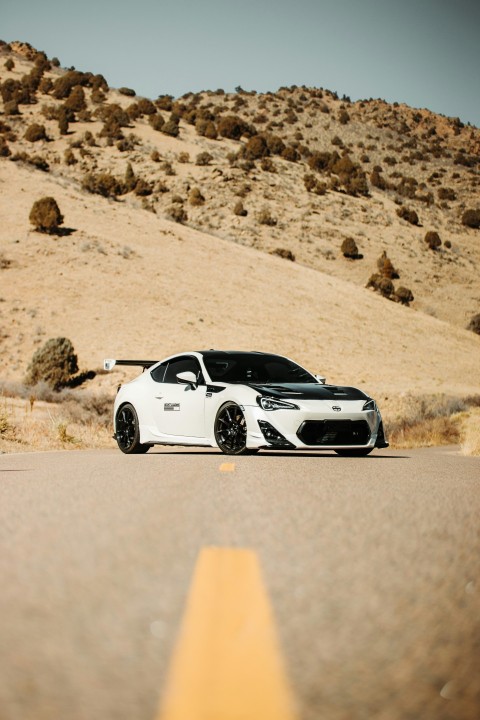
(54, 363)
(265, 217)
(471, 218)
(127, 91)
(156, 121)
(232, 126)
(256, 148)
(385, 267)
(407, 214)
(349, 249)
(283, 253)
(203, 158)
(45, 215)
(76, 100)
(474, 324)
(35, 132)
(404, 295)
(240, 210)
(103, 184)
(177, 212)
(381, 284)
(195, 197)
(432, 239)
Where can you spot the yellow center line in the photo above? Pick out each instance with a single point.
(227, 467)
(227, 664)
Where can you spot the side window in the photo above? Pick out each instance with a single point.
(158, 373)
(183, 364)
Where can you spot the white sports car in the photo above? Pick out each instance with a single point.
(241, 402)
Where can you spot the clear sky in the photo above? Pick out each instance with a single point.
(422, 52)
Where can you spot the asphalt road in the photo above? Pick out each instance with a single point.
(371, 565)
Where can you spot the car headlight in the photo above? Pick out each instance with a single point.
(370, 405)
(269, 403)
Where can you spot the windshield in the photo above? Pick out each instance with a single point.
(254, 368)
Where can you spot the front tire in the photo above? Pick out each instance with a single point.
(348, 452)
(231, 430)
(127, 431)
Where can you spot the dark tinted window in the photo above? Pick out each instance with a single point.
(182, 364)
(254, 368)
(158, 373)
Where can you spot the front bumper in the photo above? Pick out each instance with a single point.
(315, 425)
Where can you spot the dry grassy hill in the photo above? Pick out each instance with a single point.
(180, 218)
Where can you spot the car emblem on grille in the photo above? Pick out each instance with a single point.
(336, 408)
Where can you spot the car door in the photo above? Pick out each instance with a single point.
(178, 408)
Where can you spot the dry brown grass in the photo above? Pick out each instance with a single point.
(427, 421)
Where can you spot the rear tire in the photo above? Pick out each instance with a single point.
(348, 452)
(127, 431)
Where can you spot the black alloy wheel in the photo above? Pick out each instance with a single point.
(127, 431)
(231, 430)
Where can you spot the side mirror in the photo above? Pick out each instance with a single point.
(320, 379)
(187, 378)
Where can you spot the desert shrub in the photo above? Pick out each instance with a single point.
(206, 128)
(45, 215)
(403, 295)
(320, 161)
(337, 141)
(54, 363)
(35, 132)
(389, 160)
(4, 149)
(183, 157)
(69, 157)
(377, 180)
(407, 214)
(126, 144)
(240, 210)
(171, 127)
(289, 153)
(256, 147)
(63, 122)
(156, 121)
(283, 253)
(64, 84)
(232, 126)
(177, 212)
(471, 218)
(203, 158)
(432, 239)
(343, 117)
(275, 144)
(164, 102)
(195, 197)
(103, 184)
(385, 267)
(474, 324)
(264, 217)
(127, 91)
(130, 178)
(446, 193)
(9, 64)
(267, 165)
(143, 188)
(381, 284)
(349, 249)
(10, 108)
(76, 100)
(146, 107)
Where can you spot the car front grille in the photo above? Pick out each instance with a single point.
(334, 432)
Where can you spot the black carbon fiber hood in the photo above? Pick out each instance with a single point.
(309, 391)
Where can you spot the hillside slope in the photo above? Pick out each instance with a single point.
(129, 280)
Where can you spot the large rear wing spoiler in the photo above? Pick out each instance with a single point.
(109, 363)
